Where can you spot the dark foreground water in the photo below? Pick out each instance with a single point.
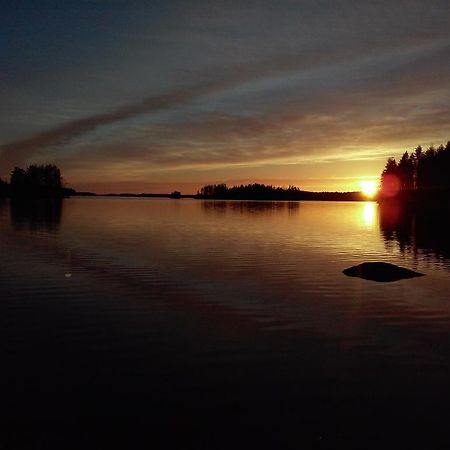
(196, 324)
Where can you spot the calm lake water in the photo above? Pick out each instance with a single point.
(208, 322)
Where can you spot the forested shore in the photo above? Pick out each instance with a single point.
(34, 182)
(421, 177)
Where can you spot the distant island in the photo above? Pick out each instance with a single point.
(253, 191)
(257, 191)
(37, 181)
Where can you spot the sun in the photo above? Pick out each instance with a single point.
(369, 188)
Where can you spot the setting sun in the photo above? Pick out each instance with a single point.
(369, 188)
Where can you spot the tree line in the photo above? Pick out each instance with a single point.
(34, 181)
(256, 191)
(419, 169)
(253, 191)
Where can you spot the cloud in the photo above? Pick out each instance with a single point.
(232, 142)
(209, 82)
(405, 105)
(19, 151)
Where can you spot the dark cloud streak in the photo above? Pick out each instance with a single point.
(19, 151)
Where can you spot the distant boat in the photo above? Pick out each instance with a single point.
(175, 194)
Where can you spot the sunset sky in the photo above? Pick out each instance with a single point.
(152, 96)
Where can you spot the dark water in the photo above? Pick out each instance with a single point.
(221, 324)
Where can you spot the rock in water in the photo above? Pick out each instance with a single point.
(380, 271)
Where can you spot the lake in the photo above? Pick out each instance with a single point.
(221, 323)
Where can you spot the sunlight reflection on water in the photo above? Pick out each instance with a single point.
(369, 214)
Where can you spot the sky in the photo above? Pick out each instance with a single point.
(153, 96)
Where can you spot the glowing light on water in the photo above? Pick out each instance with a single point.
(369, 214)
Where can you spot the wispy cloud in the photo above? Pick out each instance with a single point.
(209, 82)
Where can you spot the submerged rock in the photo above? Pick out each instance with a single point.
(380, 271)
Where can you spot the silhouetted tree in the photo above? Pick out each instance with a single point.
(52, 177)
(405, 170)
(421, 170)
(4, 188)
(258, 191)
(391, 167)
(18, 181)
(40, 181)
(390, 180)
(213, 190)
(418, 153)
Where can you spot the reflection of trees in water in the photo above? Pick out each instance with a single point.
(416, 230)
(38, 214)
(249, 207)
